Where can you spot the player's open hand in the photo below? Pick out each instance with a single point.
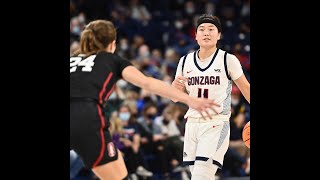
(179, 83)
(203, 105)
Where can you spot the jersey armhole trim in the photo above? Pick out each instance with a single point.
(183, 61)
(225, 65)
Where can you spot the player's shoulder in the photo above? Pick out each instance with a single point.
(222, 52)
(109, 57)
(188, 55)
(104, 54)
(229, 54)
(191, 53)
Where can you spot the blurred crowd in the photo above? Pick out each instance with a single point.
(153, 35)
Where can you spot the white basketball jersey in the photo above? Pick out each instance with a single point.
(209, 79)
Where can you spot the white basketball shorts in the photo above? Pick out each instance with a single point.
(206, 139)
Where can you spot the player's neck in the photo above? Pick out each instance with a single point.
(205, 53)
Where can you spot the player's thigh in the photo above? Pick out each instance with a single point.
(212, 145)
(89, 135)
(218, 157)
(214, 136)
(190, 142)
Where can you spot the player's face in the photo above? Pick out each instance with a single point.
(207, 35)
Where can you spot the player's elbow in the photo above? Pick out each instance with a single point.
(174, 100)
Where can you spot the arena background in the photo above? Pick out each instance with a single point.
(153, 35)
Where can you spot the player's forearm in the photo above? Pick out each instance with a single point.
(246, 93)
(166, 90)
(184, 91)
(134, 76)
(245, 90)
(244, 86)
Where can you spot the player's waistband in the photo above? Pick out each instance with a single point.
(213, 118)
(83, 99)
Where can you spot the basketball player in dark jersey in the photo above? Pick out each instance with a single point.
(94, 72)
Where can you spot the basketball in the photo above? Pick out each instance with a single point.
(246, 134)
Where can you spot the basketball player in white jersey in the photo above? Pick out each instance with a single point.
(208, 72)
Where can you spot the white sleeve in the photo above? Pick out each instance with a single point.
(234, 67)
(179, 68)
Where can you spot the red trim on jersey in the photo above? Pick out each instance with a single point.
(109, 93)
(104, 87)
(103, 145)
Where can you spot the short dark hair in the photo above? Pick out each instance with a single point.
(208, 18)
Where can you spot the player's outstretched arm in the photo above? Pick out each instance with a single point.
(134, 76)
(244, 86)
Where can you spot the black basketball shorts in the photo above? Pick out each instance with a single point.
(89, 135)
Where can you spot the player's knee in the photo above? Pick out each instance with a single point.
(204, 170)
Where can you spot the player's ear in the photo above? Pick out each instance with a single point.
(113, 46)
(195, 35)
